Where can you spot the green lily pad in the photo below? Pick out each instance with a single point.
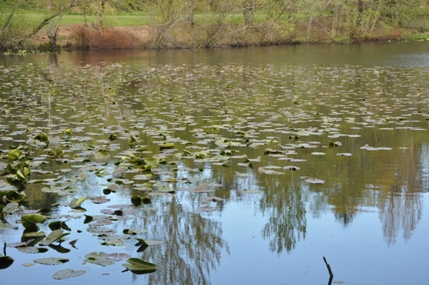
(32, 249)
(166, 146)
(118, 256)
(99, 230)
(139, 265)
(11, 208)
(58, 225)
(43, 137)
(315, 181)
(54, 236)
(5, 261)
(153, 162)
(75, 203)
(14, 154)
(136, 200)
(51, 261)
(33, 235)
(68, 273)
(99, 258)
(30, 221)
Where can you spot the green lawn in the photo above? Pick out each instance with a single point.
(117, 20)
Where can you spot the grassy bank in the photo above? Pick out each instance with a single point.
(148, 30)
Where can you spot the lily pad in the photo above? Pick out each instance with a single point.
(99, 258)
(30, 221)
(315, 181)
(139, 265)
(118, 256)
(31, 249)
(54, 236)
(68, 273)
(51, 261)
(5, 261)
(58, 225)
(292, 168)
(75, 203)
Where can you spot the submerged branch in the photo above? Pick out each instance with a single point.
(329, 267)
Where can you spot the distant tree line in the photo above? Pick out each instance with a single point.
(207, 23)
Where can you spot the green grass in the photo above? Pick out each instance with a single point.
(119, 20)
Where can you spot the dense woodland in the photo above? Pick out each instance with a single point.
(212, 23)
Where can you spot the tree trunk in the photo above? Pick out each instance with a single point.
(9, 20)
(248, 13)
(53, 34)
(310, 22)
(190, 12)
(376, 16)
(101, 13)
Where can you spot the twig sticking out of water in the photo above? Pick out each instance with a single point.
(330, 271)
(329, 267)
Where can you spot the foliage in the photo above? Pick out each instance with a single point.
(198, 23)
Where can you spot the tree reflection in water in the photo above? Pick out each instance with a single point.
(193, 243)
(287, 222)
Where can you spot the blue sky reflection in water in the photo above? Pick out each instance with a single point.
(288, 105)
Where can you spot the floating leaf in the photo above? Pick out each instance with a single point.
(142, 245)
(136, 200)
(30, 221)
(315, 181)
(119, 172)
(22, 243)
(32, 249)
(76, 202)
(293, 168)
(166, 145)
(54, 236)
(43, 137)
(134, 231)
(99, 230)
(68, 132)
(344, 154)
(5, 261)
(143, 177)
(51, 261)
(203, 188)
(118, 256)
(152, 162)
(11, 208)
(58, 225)
(68, 273)
(99, 199)
(154, 242)
(14, 154)
(33, 234)
(88, 219)
(139, 265)
(100, 258)
(213, 199)
(59, 248)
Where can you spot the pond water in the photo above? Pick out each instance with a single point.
(257, 163)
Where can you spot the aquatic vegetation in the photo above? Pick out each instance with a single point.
(137, 158)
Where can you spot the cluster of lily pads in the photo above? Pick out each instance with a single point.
(147, 132)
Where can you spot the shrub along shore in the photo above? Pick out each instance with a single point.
(161, 24)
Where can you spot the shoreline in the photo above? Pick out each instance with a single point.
(79, 37)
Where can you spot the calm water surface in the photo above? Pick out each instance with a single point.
(354, 116)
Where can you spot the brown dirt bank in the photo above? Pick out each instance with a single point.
(79, 36)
